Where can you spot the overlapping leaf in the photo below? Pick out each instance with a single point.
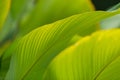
(10, 26)
(47, 11)
(36, 50)
(4, 9)
(112, 22)
(95, 57)
(20, 9)
(13, 20)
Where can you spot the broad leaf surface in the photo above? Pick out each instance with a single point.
(96, 57)
(48, 11)
(35, 51)
(21, 8)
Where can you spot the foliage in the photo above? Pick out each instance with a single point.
(58, 40)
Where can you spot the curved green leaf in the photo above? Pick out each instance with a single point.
(47, 11)
(112, 22)
(17, 11)
(115, 7)
(10, 26)
(36, 50)
(4, 8)
(95, 57)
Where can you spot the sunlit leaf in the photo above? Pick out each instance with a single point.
(35, 51)
(95, 57)
(47, 11)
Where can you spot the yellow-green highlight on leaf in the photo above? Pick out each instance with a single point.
(90, 5)
(4, 9)
(35, 51)
(95, 57)
(48, 11)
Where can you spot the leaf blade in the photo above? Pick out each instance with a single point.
(88, 59)
(32, 59)
(46, 12)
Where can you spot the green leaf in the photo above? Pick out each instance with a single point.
(3, 47)
(17, 11)
(10, 27)
(114, 7)
(95, 57)
(4, 66)
(49, 11)
(35, 51)
(4, 8)
(19, 8)
(112, 22)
